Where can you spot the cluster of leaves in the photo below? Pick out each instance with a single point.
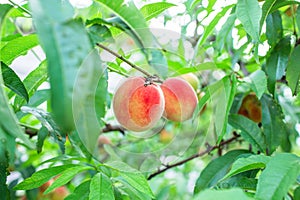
(78, 100)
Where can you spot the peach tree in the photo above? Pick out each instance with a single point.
(139, 99)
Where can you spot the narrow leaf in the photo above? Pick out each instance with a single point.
(19, 46)
(42, 135)
(277, 62)
(101, 187)
(4, 163)
(59, 35)
(66, 176)
(41, 177)
(293, 70)
(248, 163)
(249, 13)
(10, 124)
(154, 9)
(280, 173)
(4, 9)
(274, 30)
(272, 121)
(216, 170)
(266, 8)
(32, 81)
(249, 131)
(13, 82)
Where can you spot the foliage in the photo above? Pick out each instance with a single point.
(57, 123)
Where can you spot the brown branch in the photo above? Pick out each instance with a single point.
(208, 150)
(127, 61)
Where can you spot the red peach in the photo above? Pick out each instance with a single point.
(138, 107)
(180, 99)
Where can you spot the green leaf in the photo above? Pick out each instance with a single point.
(222, 95)
(216, 170)
(266, 8)
(280, 173)
(135, 178)
(249, 13)
(277, 62)
(258, 80)
(10, 124)
(46, 119)
(249, 131)
(208, 30)
(274, 28)
(132, 192)
(154, 9)
(59, 36)
(4, 163)
(90, 99)
(247, 164)
(298, 18)
(293, 71)
(158, 62)
(42, 135)
(99, 33)
(297, 193)
(66, 176)
(13, 82)
(101, 187)
(81, 192)
(4, 9)
(17, 47)
(281, 3)
(32, 81)
(225, 31)
(136, 22)
(41, 177)
(230, 194)
(197, 68)
(272, 122)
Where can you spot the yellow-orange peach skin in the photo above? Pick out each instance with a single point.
(138, 107)
(180, 99)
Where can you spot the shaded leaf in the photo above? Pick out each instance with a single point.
(225, 31)
(258, 80)
(272, 122)
(41, 177)
(158, 62)
(280, 173)
(277, 62)
(152, 10)
(42, 135)
(266, 8)
(101, 187)
(274, 28)
(10, 124)
(216, 170)
(249, 131)
(13, 82)
(293, 70)
(4, 163)
(249, 13)
(4, 9)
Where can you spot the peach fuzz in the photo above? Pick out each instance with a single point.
(180, 99)
(138, 107)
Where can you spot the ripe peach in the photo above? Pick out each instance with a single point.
(138, 107)
(191, 79)
(60, 193)
(251, 108)
(180, 99)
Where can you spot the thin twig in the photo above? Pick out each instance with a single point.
(207, 151)
(128, 62)
(21, 7)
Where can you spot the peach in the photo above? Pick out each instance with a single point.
(180, 99)
(138, 107)
(251, 108)
(191, 79)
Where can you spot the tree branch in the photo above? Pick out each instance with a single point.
(208, 150)
(128, 62)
